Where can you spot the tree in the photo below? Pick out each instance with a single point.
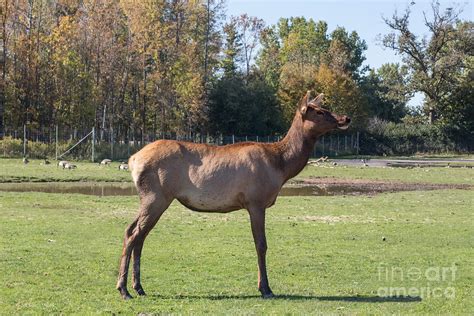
(249, 29)
(232, 50)
(434, 61)
(458, 119)
(296, 50)
(4, 13)
(244, 107)
(303, 41)
(292, 81)
(386, 92)
(268, 61)
(346, 52)
(341, 94)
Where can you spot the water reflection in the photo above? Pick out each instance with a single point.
(127, 189)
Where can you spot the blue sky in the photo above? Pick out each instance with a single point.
(365, 17)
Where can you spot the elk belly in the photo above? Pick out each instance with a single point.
(202, 201)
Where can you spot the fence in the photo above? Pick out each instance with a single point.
(91, 144)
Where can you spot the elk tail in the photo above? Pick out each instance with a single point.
(135, 168)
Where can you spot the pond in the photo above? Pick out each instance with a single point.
(128, 189)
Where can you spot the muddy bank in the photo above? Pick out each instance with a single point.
(305, 187)
(337, 186)
(399, 163)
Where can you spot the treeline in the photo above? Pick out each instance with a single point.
(181, 67)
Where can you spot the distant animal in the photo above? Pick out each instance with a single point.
(220, 179)
(334, 163)
(69, 166)
(46, 162)
(25, 160)
(123, 166)
(322, 159)
(62, 163)
(105, 162)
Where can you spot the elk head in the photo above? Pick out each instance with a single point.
(318, 121)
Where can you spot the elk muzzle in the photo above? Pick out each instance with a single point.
(343, 122)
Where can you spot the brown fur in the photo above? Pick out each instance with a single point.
(208, 178)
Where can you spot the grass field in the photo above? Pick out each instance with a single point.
(13, 170)
(417, 175)
(392, 253)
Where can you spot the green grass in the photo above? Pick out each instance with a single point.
(59, 254)
(13, 170)
(427, 156)
(418, 175)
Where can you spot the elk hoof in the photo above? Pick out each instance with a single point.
(140, 291)
(267, 294)
(125, 294)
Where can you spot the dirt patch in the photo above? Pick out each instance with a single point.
(337, 186)
(330, 219)
(305, 187)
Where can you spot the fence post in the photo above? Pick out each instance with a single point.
(24, 140)
(257, 138)
(357, 143)
(57, 141)
(93, 143)
(111, 143)
(233, 139)
(330, 145)
(128, 144)
(323, 146)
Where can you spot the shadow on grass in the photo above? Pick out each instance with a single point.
(360, 299)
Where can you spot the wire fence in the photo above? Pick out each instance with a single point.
(90, 144)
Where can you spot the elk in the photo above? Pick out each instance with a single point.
(220, 179)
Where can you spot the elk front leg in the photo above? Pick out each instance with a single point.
(257, 221)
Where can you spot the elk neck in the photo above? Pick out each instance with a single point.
(296, 147)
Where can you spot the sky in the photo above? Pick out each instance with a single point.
(365, 17)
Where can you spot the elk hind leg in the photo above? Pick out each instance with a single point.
(151, 209)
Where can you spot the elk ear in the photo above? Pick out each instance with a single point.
(304, 103)
(318, 100)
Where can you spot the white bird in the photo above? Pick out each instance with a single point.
(105, 162)
(69, 166)
(123, 166)
(62, 163)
